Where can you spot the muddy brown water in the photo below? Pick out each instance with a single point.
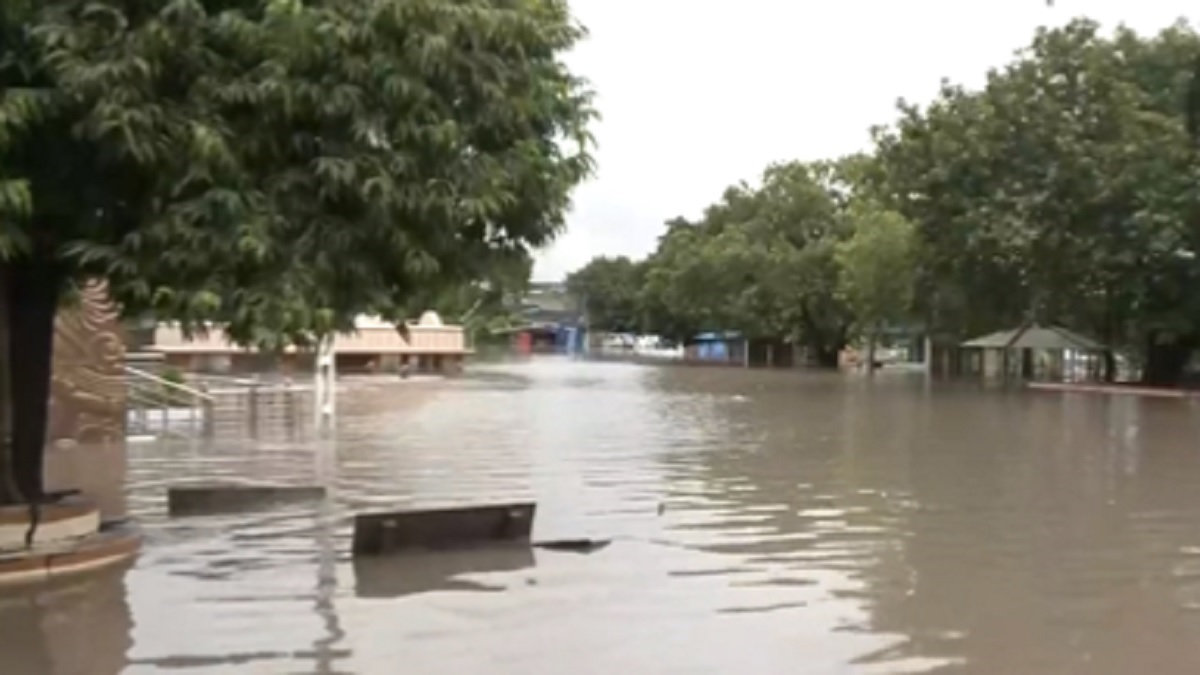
(762, 522)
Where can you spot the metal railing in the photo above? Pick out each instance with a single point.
(160, 407)
(211, 406)
(259, 409)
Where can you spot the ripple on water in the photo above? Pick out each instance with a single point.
(761, 523)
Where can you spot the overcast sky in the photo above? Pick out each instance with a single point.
(699, 94)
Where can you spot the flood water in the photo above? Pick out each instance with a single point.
(762, 523)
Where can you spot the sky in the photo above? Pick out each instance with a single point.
(696, 95)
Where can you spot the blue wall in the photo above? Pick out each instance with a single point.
(570, 339)
(714, 346)
(712, 351)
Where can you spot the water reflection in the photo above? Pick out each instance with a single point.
(761, 523)
(67, 628)
(437, 571)
(1024, 551)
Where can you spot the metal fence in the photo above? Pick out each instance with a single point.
(216, 407)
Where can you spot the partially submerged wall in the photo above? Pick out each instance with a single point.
(86, 436)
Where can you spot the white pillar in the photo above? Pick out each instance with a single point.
(325, 386)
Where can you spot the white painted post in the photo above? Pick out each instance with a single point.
(325, 387)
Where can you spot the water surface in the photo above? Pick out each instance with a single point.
(762, 522)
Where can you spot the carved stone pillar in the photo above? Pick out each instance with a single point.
(86, 436)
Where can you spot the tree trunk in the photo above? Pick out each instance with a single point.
(1165, 362)
(871, 340)
(32, 299)
(822, 348)
(1110, 366)
(8, 487)
(826, 356)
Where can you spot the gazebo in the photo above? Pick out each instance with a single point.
(1046, 352)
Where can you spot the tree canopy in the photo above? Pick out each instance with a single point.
(276, 165)
(760, 261)
(483, 304)
(1063, 190)
(281, 165)
(607, 290)
(877, 263)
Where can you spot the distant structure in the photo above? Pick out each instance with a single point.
(552, 323)
(423, 346)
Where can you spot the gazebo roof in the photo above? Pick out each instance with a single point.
(1033, 336)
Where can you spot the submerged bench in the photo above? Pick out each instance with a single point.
(196, 500)
(413, 530)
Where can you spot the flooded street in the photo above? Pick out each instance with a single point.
(763, 522)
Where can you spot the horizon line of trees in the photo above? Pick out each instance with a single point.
(1065, 190)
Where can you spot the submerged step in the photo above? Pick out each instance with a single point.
(412, 530)
(210, 499)
(100, 549)
(67, 519)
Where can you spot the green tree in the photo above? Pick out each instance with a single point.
(760, 261)
(707, 275)
(659, 299)
(803, 216)
(607, 290)
(277, 165)
(483, 303)
(1064, 191)
(877, 271)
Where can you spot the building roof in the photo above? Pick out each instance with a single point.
(429, 319)
(364, 322)
(1033, 336)
(716, 336)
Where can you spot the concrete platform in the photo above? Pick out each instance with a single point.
(69, 541)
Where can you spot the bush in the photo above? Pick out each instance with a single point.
(172, 376)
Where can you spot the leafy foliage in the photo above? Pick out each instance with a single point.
(877, 263)
(484, 304)
(608, 289)
(760, 261)
(280, 166)
(1064, 190)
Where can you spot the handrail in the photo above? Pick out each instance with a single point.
(168, 408)
(243, 381)
(259, 386)
(167, 384)
(145, 395)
